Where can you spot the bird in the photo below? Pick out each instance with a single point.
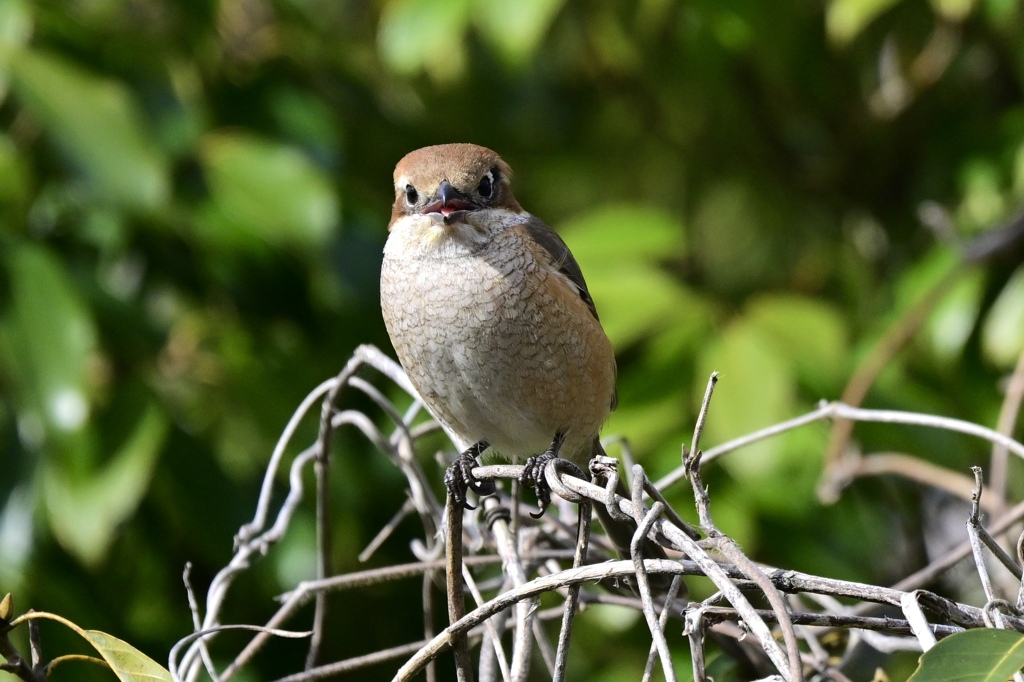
(491, 318)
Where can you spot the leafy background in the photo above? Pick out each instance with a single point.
(193, 201)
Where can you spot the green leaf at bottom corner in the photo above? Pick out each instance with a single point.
(983, 655)
(127, 662)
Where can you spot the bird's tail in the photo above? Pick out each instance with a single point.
(620, 531)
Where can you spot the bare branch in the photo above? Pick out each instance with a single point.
(533, 555)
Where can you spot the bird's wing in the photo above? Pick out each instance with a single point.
(566, 264)
(562, 257)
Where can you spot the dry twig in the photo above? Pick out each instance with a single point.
(531, 557)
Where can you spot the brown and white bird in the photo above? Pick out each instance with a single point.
(490, 315)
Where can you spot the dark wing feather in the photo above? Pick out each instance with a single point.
(567, 265)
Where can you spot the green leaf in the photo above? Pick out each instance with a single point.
(983, 203)
(922, 276)
(265, 190)
(127, 662)
(634, 301)
(515, 27)
(615, 234)
(845, 19)
(982, 655)
(1002, 336)
(86, 510)
(15, 32)
(425, 35)
(96, 124)
(810, 332)
(14, 176)
(619, 249)
(755, 390)
(953, 319)
(47, 341)
(15, 25)
(953, 10)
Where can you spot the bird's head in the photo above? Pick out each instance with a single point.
(447, 182)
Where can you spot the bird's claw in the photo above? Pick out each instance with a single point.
(459, 478)
(533, 476)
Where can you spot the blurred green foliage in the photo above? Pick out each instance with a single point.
(194, 196)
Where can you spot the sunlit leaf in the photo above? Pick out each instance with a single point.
(953, 10)
(425, 35)
(515, 27)
(633, 301)
(96, 124)
(265, 190)
(620, 233)
(981, 655)
(14, 181)
(810, 332)
(15, 31)
(1002, 337)
(983, 203)
(845, 19)
(15, 26)
(619, 249)
(953, 319)
(922, 277)
(755, 390)
(125, 661)
(85, 510)
(47, 341)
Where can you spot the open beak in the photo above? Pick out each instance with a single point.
(450, 205)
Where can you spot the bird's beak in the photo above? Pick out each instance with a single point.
(449, 205)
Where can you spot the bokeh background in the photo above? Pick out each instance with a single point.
(194, 197)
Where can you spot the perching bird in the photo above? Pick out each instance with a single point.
(490, 316)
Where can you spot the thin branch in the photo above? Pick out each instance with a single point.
(698, 428)
(973, 523)
(895, 338)
(957, 554)
(551, 475)
(789, 665)
(679, 473)
(1008, 415)
(653, 622)
(666, 611)
(838, 410)
(914, 468)
(456, 601)
(979, 536)
(918, 622)
(660, 524)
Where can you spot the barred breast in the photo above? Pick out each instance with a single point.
(496, 340)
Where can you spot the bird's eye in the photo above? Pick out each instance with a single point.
(411, 195)
(485, 187)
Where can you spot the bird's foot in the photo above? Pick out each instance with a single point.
(459, 478)
(533, 474)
